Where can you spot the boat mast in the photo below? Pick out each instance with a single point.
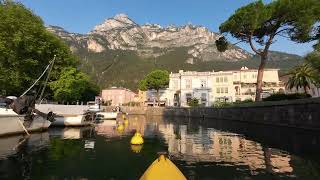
(46, 81)
(49, 65)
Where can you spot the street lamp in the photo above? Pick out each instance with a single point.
(180, 97)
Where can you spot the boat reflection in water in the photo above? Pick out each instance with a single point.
(13, 144)
(71, 132)
(19, 149)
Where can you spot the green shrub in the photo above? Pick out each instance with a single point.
(281, 96)
(222, 104)
(244, 101)
(194, 102)
(131, 104)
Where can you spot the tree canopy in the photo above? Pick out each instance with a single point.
(295, 19)
(72, 86)
(302, 77)
(143, 85)
(258, 24)
(26, 48)
(313, 59)
(157, 79)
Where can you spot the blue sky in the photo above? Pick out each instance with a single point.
(82, 15)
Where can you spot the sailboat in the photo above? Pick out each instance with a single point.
(18, 114)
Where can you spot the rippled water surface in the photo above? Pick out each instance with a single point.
(210, 149)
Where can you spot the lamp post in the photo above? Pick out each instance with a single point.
(180, 97)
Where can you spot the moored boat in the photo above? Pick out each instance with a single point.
(13, 123)
(72, 120)
(94, 106)
(106, 115)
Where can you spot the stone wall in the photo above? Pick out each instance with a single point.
(304, 113)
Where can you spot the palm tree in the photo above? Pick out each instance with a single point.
(302, 77)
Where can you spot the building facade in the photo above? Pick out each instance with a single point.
(209, 87)
(117, 96)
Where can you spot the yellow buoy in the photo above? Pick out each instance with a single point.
(120, 127)
(162, 168)
(136, 148)
(137, 139)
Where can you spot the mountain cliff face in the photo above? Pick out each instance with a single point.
(120, 52)
(150, 40)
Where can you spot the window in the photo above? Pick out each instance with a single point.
(176, 97)
(225, 79)
(254, 76)
(222, 90)
(225, 90)
(188, 83)
(203, 83)
(217, 79)
(175, 84)
(188, 97)
(203, 96)
(221, 79)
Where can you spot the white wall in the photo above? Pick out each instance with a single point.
(196, 83)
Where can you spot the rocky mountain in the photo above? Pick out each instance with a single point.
(151, 40)
(120, 52)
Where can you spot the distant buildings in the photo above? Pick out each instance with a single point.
(209, 87)
(117, 96)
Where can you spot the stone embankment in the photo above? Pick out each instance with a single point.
(304, 113)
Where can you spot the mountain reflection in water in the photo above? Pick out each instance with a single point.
(201, 151)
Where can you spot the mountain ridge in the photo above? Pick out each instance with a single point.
(120, 52)
(152, 40)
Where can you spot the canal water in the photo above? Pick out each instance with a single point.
(201, 149)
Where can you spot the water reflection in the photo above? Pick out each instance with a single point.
(102, 152)
(71, 132)
(109, 128)
(227, 149)
(18, 150)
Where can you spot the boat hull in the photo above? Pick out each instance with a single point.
(107, 115)
(10, 125)
(70, 120)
